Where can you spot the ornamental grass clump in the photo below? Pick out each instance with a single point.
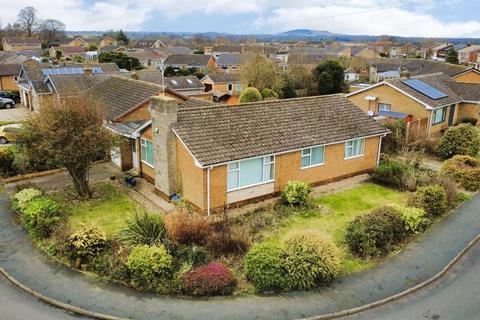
(187, 228)
(143, 228)
(464, 170)
(150, 268)
(209, 280)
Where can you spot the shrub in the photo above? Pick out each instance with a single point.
(150, 268)
(40, 216)
(464, 170)
(22, 198)
(143, 228)
(473, 121)
(264, 267)
(310, 260)
(375, 233)
(86, 243)
(209, 280)
(7, 160)
(395, 141)
(463, 139)
(227, 239)
(396, 174)
(250, 94)
(269, 94)
(195, 256)
(296, 193)
(187, 228)
(414, 219)
(429, 177)
(432, 199)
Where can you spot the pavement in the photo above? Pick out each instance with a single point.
(14, 114)
(419, 261)
(454, 297)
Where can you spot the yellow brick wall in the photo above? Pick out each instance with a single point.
(468, 77)
(469, 110)
(7, 83)
(386, 94)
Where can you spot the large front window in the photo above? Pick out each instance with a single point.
(439, 115)
(250, 172)
(312, 156)
(354, 148)
(384, 107)
(147, 151)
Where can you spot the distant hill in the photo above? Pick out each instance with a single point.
(306, 33)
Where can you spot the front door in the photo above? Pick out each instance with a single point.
(451, 115)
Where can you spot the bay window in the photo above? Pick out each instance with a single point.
(354, 148)
(146, 151)
(312, 156)
(250, 172)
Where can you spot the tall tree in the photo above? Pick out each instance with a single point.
(52, 31)
(330, 78)
(28, 20)
(69, 134)
(122, 37)
(452, 56)
(260, 72)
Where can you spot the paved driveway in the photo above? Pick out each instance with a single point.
(15, 114)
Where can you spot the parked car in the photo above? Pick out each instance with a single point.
(6, 103)
(15, 96)
(8, 132)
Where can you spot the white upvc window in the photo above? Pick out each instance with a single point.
(251, 172)
(146, 150)
(313, 157)
(439, 115)
(354, 148)
(384, 107)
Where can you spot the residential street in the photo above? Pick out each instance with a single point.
(454, 297)
(15, 114)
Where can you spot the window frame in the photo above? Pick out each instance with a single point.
(302, 155)
(346, 146)
(380, 104)
(230, 87)
(444, 115)
(143, 144)
(268, 160)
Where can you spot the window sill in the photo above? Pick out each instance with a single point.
(354, 157)
(250, 186)
(148, 164)
(313, 166)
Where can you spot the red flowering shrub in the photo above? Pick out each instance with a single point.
(209, 280)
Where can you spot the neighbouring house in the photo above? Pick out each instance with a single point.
(226, 49)
(467, 55)
(9, 77)
(308, 60)
(148, 44)
(220, 157)
(202, 62)
(471, 75)
(351, 75)
(107, 41)
(437, 52)
(147, 58)
(229, 83)
(403, 50)
(32, 80)
(8, 57)
(68, 52)
(381, 47)
(179, 50)
(112, 49)
(21, 44)
(230, 62)
(77, 42)
(364, 52)
(430, 103)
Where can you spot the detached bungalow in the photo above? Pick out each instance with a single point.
(226, 156)
(202, 62)
(225, 82)
(9, 77)
(21, 44)
(471, 75)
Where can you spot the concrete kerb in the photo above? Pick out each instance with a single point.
(400, 295)
(56, 303)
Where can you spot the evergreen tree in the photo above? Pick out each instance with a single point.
(122, 38)
(452, 56)
(330, 78)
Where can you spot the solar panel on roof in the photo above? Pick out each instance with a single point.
(425, 89)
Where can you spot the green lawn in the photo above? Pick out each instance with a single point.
(338, 209)
(3, 122)
(108, 209)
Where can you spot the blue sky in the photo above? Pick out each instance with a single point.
(429, 18)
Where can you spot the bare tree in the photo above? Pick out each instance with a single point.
(28, 20)
(260, 72)
(52, 30)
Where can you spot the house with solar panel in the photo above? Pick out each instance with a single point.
(428, 103)
(36, 88)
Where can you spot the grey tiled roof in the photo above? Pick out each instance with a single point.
(438, 80)
(232, 48)
(220, 134)
(183, 83)
(415, 66)
(188, 59)
(117, 95)
(24, 41)
(224, 77)
(126, 127)
(9, 69)
(67, 85)
(468, 91)
(194, 103)
(230, 59)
